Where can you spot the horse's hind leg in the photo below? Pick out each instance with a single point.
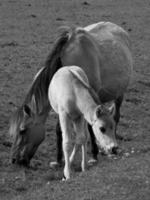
(118, 103)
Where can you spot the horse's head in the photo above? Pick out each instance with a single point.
(104, 128)
(28, 132)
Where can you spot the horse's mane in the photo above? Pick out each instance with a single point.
(15, 121)
(39, 87)
(37, 95)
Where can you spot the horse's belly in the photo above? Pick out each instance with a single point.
(115, 70)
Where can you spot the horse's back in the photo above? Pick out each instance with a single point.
(102, 50)
(108, 31)
(115, 56)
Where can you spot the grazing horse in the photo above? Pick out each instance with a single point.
(72, 99)
(102, 50)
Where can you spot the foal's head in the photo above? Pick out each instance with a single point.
(28, 132)
(104, 128)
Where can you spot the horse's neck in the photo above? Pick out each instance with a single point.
(86, 104)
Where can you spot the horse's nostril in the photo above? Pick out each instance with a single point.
(115, 150)
(13, 160)
(24, 162)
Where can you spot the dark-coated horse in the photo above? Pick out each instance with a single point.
(102, 50)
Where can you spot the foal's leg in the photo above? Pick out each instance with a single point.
(59, 143)
(81, 140)
(66, 128)
(75, 149)
(94, 147)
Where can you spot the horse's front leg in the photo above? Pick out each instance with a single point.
(59, 149)
(118, 103)
(94, 147)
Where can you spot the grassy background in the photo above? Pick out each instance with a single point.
(27, 32)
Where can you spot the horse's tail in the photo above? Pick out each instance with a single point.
(53, 62)
(40, 85)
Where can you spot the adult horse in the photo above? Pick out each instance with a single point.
(102, 50)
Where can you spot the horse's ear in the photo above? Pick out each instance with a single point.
(27, 110)
(99, 111)
(112, 109)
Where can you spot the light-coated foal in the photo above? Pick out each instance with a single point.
(73, 99)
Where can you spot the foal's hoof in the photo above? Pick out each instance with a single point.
(92, 161)
(54, 165)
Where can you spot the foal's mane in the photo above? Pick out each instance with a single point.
(86, 85)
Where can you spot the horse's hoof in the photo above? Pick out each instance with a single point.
(64, 178)
(54, 165)
(92, 161)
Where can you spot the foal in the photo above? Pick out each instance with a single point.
(73, 99)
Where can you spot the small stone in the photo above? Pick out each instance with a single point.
(17, 177)
(115, 158)
(54, 165)
(147, 182)
(92, 161)
(126, 154)
(85, 3)
(129, 29)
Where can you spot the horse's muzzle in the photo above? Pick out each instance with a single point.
(23, 162)
(13, 160)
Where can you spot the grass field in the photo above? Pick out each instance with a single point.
(27, 31)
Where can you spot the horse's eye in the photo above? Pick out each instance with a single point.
(111, 127)
(102, 129)
(22, 132)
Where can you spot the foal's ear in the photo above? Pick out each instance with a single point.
(112, 109)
